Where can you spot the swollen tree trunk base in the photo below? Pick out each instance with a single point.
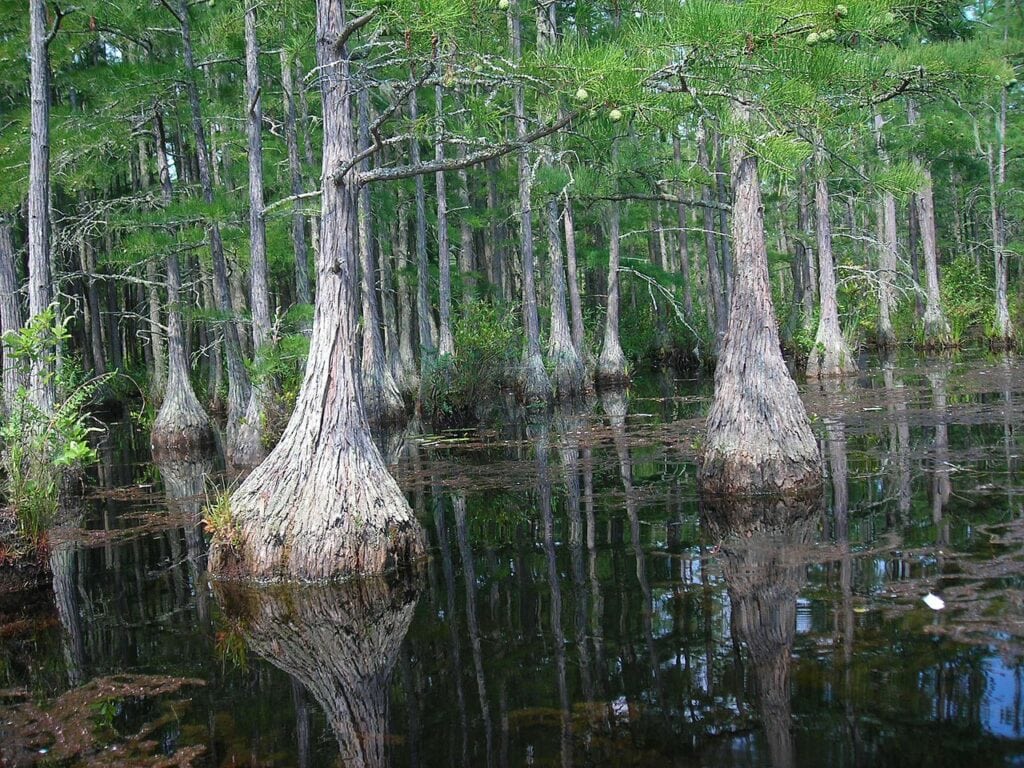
(759, 441)
(248, 449)
(535, 386)
(611, 367)
(936, 329)
(831, 355)
(316, 515)
(568, 376)
(181, 425)
(382, 401)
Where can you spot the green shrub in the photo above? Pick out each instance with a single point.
(42, 450)
(488, 345)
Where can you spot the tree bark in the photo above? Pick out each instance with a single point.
(575, 303)
(303, 293)
(249, 449)
(181, 424)
(426, 336)
(381, 398)
(568, 374)
(467, 258)
(684, 238)
(889, 249)
(611, 364)
(406, 376)
(831, 356)
(536, 386)
(238, 379)
(11, 317)
(803, 225)
(759, 440)
(40, 282)
(444, 255)
(341, 643)
(716, 306)
(323, 505)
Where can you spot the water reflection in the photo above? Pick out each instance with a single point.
(763, 548)
(581, 609)
(341, 642)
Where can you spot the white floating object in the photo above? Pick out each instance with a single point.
(934, 602)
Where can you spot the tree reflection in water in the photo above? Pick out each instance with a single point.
(763, 548)
(340, 641)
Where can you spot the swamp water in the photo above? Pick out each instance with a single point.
(579, 607)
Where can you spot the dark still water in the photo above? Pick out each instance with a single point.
(579, 607)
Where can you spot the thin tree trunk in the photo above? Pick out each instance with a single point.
(249, 449)
(887, 267)
(914, 246)
(568, 373)
(323, 504)
(716, 307)
(444, 256)
(40, 283)
(11, 318)
(426, 336)
(611, 365)
(535, 384)
(831, 355)
(303, 293)
(936, 329)
(495, 243)
(181, 424)
(803, 225)
(406, 376)
(307, 144)
(684, 238)
(575, 303)
(467, 259)
(381, 398)
(238, 379)
(758, 437)
(997, 179)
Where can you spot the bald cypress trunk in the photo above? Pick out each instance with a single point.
(40, 284)
(831, 356)
(573, 281)
(11, 318)
(423, 327)
(406, 376)
(249, 449)
(467, 257)
(238, 379)
(718, 314)
(303, 293)
(181, 424)
(887, 266)
(535, 384)
(683, 238)
(611, 365)
(382, 400)
(568, 374)
(758, 437)
(323, 503)
(444, 256)
(805, 251)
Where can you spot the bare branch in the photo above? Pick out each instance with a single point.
(352, 27)
(454, 164)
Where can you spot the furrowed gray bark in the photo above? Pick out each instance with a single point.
(181, 424)
(759, 440)
(249, 449)
(40, 281)
(831, 355)
(323, 504)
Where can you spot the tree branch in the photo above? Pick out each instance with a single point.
(352, 27)
(57, 19)
(454, 164)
